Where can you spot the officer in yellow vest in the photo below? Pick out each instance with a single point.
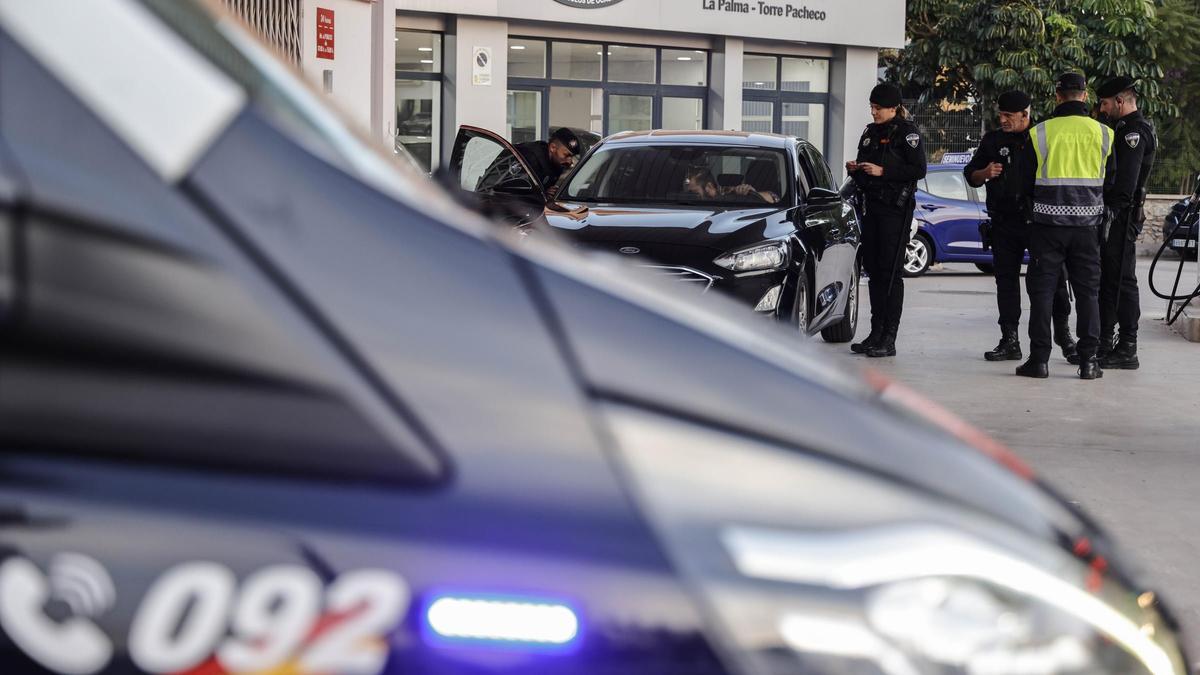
(1074, 154)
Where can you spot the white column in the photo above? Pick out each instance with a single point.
(383, 71)
(725, 85)
(853, 74)
(481, 105)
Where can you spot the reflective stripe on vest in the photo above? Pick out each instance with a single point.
(1072, 152)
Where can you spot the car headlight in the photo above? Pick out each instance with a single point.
(810, 566)
(766, 257)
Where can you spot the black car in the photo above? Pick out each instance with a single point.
(272, 403)
(1180, 227)
(771, 231)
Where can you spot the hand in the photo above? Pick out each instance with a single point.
(743, 189)
(851, 166)
(992, 170)
(871, 169)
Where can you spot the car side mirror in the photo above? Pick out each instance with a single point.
(820, 195)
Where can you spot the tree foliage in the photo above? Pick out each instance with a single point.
(970, 51)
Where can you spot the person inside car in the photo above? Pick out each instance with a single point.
(700, 182)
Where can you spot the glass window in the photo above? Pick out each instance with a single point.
(577, 107)
(684, 66)
(418, 118)
(822, 176)
(526, 58)
(577, 61)
(805, 75)
(631, 64)
(947, 184)
(418, 52)
(758, 116)
(805, 120)
(758, 72)
(682, 113)
(630, 113)
(707, 174)
(524, 116)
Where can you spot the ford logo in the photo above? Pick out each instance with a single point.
(630, 250)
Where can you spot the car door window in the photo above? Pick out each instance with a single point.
(947, 185)
(822, 176)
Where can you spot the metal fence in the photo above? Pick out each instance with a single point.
(946, 130)
(1172, 177)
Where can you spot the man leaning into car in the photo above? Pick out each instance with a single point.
(549, 159)
(1005, 163)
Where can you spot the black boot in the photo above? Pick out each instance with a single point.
(1106, 342)
(866, 345)
(885, 347)
(1033, 368)
(1064, 339)
(871, 340)
(1089, 369)
(1009, 348)
(1123, 356)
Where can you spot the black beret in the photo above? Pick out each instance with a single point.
(1071, 82)
(886, 95)
(566, 137)
(1115, 86)
(1014, 101)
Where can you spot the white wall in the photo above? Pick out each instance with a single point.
(852, 76)
(725, 85)
(352, 62)
(464, 102)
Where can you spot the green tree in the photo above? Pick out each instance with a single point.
(970, 51)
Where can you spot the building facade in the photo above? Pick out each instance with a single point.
(413, 71)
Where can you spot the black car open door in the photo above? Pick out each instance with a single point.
(485, 164)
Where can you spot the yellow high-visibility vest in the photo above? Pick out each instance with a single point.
(1072, 152)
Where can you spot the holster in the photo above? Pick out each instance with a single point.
(985, 233)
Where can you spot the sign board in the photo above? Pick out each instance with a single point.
(324, 33)
(861, 23)
(481, 66)
(957, 157)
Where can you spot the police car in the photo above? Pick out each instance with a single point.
(270, 404)
(948, 214)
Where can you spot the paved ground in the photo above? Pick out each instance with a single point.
(1127, 447)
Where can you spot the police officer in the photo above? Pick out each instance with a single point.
(549, 159)
(1124, 195)
(1005, 163)
(1074, 154)
(891, 159)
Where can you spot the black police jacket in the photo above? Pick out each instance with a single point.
(1009, 195)
(1135, 146)
(537, 155)
(897, 146)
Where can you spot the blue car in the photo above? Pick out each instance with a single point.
(948, 214)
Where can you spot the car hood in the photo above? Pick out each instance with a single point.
(720, 229)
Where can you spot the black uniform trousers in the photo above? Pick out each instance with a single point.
(1120, 301)
(1050, 247)
(885, 233)
(1010, 240)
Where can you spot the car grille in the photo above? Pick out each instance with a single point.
(685, 275)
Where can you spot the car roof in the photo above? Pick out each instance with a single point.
(657, 136)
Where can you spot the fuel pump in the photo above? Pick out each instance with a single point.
(1176, 301)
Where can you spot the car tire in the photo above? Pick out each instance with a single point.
(986, 268)
(918, 256)
(843, 331)
(800, 313)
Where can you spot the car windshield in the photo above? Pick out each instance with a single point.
(708, 175)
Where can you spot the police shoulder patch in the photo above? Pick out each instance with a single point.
(913, 139)
(866, 141)
(1133, 139)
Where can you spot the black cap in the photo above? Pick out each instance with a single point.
(1115, 86)
(568, 138)
(886, 95)
(1071, 82)
(1014, 101)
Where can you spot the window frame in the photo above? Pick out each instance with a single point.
(656, 91)
(440, 101)
(778, 96)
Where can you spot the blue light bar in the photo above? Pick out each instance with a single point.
(503, 621)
